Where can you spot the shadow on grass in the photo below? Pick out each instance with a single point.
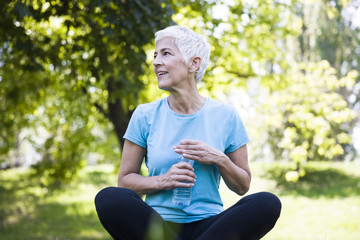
(28, 210)
(98, 177)
(56, 221)
(320, 180)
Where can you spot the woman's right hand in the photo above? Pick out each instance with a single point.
(180, 175)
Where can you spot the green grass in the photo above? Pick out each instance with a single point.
(29, 210)
(324, 205)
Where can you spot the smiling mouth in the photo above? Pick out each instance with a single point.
(161, 74)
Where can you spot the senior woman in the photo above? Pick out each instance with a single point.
(197, 128)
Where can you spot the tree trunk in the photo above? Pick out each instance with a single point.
(119, 118)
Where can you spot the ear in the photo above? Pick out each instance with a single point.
(194, 64)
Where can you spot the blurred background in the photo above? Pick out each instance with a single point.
(72, 73)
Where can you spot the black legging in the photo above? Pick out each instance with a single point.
(127, 217)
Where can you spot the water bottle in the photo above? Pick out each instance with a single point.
(182, 196)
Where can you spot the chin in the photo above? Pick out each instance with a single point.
(164, 86)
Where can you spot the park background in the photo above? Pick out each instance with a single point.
(72, 73)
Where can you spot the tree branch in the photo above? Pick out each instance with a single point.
(238, 74)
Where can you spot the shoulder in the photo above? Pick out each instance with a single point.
(221, 108)
(149, 108)
(147, 112)
(141, 121)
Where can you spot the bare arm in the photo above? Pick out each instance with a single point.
(235, 170)
(233, 167)
(130, 177)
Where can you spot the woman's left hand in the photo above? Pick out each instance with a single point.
(199, 151)
(233, 167)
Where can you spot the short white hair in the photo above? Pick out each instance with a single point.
(190, 44)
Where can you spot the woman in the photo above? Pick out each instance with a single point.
(197, 128)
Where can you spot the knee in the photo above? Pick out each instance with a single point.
(270, 204)
(103, 198)
(111, 197)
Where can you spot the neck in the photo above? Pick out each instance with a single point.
(186, 103)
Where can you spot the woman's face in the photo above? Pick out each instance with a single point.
(168, 63)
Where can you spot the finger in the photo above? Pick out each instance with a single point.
(184, 165)
(180, 149)
(184, 172)
(183, 185)
(195, 155)
(189, 142)
(185, 179)
(182, 177)
(192, 152)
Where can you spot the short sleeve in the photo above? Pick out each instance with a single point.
(237, 133)
(137, 130)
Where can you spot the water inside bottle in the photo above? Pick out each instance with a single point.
(182, 196)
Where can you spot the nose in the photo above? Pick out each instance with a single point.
(157, 61)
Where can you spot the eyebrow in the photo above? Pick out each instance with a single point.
(163, 49)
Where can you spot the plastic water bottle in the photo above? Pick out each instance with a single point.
(182, 196)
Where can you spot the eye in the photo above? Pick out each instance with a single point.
(166, 53)
(155, 55)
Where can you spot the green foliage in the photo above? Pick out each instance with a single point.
(63, 63)
(323, 179)
(68, 68)
(308, 120)
(308, 114)
(247, 42)
(327, 33)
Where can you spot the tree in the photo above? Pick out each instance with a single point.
(62, 62)
(308, 121)
(329, 33)
(78, 59)
(310, 118)
(69, 68)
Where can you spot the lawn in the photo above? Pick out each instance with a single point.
(324, 205)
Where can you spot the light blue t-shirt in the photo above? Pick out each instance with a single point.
(157, 128)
